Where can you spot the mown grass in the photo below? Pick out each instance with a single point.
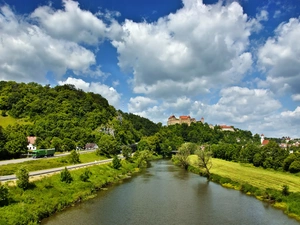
(8, 120)
(258, 177)
(46, 163)
(49, 195)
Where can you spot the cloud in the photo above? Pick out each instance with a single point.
(239, 106)
(296, 97)
(107, 92)
(71, 23)
(28, 53)
(189, 52)
(263, 15)
(139, 104)
(279, 57)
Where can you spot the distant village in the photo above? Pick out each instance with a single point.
(285, 142)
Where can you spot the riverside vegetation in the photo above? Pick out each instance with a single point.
(64, 118)
(39, 199)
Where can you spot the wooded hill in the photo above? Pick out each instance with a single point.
(63, 117)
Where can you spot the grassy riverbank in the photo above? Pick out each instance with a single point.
(264, 184)
(46, 163)
(49, 195)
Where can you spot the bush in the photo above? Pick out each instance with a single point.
(285, 190)
(85, 176)
(65, 176)
(116, 163)
(74, 157)
(295, 167)
(3, 194)
(23, 178)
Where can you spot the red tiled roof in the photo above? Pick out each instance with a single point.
(185, 117)
(265, 142)
(171, 117)
(225, 126)
(31, 140)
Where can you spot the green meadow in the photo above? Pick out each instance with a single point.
(8, 120)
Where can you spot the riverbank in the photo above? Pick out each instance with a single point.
(49, 195)
(265, 185)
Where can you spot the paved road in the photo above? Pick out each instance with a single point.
(11, 161)
(53, 170)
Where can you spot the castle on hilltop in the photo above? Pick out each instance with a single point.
(182, 119)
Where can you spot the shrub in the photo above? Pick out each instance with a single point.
(285, 190)
(85, 176)
(116, 163)
(23, 178)
(65, 176)
(295, 167)
(3, 194)
(74, 157)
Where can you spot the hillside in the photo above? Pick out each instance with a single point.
(62, 117)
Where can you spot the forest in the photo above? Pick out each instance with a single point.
(66, 118)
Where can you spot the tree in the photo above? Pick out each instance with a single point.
(74, 157)
(23, 178)
(85, 176)
(204, 161)
(295, 166)
(116, 163)
(3, 194)
(142, 158)
(107, 146)
(184, 151)
(65, 176)
(126, 151)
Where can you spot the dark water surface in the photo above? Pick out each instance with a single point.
(165, 194)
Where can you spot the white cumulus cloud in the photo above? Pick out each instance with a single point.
(279, 57)
(188, 52)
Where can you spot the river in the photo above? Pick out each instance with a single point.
(167, 195)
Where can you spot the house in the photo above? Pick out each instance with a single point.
(182, 119)
(90, 146)
(31, 142)
(263, 141)
(226, 128)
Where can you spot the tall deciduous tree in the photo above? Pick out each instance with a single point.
(204, 161)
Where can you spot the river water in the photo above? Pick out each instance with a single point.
(168, 195)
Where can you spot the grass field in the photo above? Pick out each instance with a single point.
(8, 120)
(258, 177)
(41, 164)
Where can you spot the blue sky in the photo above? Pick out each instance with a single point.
(231, 62)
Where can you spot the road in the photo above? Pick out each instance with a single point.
(54, 170)
(11, 161)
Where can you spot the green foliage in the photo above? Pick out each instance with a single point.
(65, 176)
(4, 193)
(50, 195)
(204, 161)
(126, 152)
(295, 166)
(184, 151)
(73, 158)
(23, 178)
(288, 161)
(285, 190)
(108, 145)
(85, 176)
(116, 163)
(142, 158)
